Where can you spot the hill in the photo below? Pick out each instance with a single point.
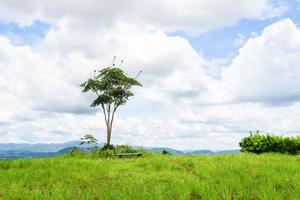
(160, 149)
(153, 176)
(202, 151)
(17, 154)
(38, 147)
(14, 151)
(205, 151)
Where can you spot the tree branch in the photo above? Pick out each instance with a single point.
(97, 93)
(113, 114)
(104, 112)
(108, 114)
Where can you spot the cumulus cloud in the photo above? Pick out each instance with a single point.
(168, 15)
(39, 82)
(45, 82)
(267, 67)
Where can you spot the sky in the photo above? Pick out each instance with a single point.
(213, 70)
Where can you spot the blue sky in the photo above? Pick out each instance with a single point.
(221, 42)
(24, 35)
(212, 70)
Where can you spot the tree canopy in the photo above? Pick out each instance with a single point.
(88, 139)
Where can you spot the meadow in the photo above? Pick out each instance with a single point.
(153, 176)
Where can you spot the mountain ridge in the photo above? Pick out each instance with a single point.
(27, 150)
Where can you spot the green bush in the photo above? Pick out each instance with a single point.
(75, 152)
(113, 150)
(166, 152)
(107, 146)
(103, 153)
(260, 143)
(126, 149)
(5, 165)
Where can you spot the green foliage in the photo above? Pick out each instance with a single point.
(110, 152)
(188, 164)
(127, 149)
(88, 140)
(260, 143)
(166, 152)
(103, 153)
(75, 152)
(107, 146)
(111, 85)
(4, 165)
(243, 176)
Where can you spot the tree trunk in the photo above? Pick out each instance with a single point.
(109, 118)
(108, 134)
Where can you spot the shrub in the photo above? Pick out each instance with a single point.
(75, 151)
(107, 146)
(111, 151)
(165, 152)
(103, 153)
(259, 143)
(188, 165)
(5, 165)
(125, 149)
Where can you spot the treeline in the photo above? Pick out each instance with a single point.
(260, 143)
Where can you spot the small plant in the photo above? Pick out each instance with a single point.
(109, 151)
(5, 165)
(103, 153)
(89, 140)
(165, 152)
(75, 151)
(125, 149)
(188, 165)
(107, 146)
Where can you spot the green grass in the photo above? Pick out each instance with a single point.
(243, 176)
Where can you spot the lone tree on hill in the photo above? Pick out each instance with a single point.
(113, 89)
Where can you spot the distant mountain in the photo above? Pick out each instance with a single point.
(39, 147)
(12, 150)
(64, 151)
(159, 149)
(13, 154)
(234, 151)
(205, 151)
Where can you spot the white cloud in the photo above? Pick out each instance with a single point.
(169, 15)
(239, 40)
(41, 99)
(267, 67)
(46, 82)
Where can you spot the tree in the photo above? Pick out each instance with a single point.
(89, 140)
(113, 89)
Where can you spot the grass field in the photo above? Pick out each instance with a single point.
(242, 176)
